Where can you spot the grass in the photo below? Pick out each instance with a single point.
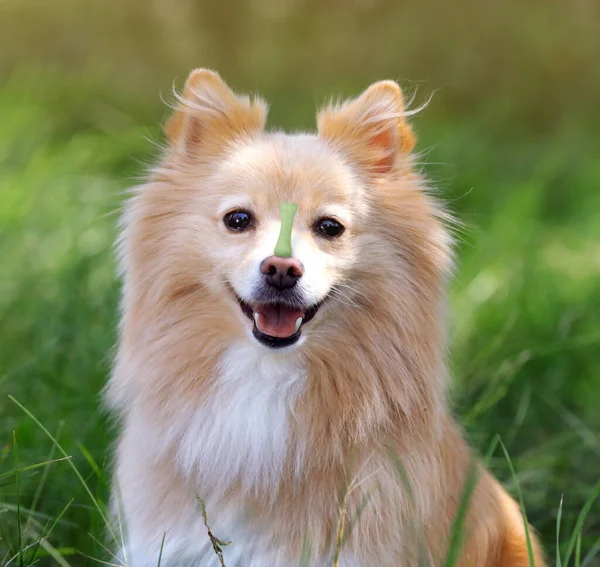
(525, 331)
(514, 152)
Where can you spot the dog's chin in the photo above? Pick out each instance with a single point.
(277, 324)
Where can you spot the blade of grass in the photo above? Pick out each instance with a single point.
(96, 560)
(49, 533)
(31, 467)
(579, 523)
(105, 548)
(305, 555)
(7, 542)
(578, 551)
(412, 530)
(162, 545)
(75, 469)
(558, 519)
(63, 551)
(90, 460)
(521, 502)
(403, 476)
(118, 507)
(591, 555)
(35, 544)
(520, 414)
(589, 437)
(19, 531)
(456, 536)
(58, 553)
(36, 515)
(217, 544)
(491, 450)
(42, 483)
(356, 516)
(344, 531)
(340, 530)
(22, 551)
(99, 473)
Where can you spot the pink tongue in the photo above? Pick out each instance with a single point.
(277, 320)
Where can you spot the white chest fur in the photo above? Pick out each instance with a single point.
(242, 431)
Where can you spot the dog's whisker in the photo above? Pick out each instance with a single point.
(343, 298)
(349, 287)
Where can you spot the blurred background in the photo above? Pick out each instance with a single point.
(510, 139)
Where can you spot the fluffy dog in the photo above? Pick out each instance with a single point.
(301, 398)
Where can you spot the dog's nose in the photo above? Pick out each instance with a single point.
(281, 273)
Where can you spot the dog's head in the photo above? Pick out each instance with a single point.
(222, 185)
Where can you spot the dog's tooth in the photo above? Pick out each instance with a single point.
(256, 318)
(298, 323)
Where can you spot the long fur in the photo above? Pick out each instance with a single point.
(353, 421)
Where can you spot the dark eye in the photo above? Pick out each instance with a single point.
(238, 220)
(329, 228)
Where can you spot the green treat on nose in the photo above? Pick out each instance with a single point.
(283, 248)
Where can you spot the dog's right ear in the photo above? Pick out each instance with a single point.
(209, 115)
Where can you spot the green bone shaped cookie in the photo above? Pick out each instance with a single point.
(283, 248)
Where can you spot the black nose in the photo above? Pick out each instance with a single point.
(281, 273)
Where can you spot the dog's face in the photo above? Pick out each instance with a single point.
(279, 296)
(238, 176)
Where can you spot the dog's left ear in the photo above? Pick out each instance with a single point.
(371, 129)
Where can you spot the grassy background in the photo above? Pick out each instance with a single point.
(510, 138)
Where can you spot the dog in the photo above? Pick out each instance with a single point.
(293, 404)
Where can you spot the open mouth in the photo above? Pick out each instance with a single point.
(277, 325)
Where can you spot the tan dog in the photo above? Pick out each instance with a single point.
(278, 389)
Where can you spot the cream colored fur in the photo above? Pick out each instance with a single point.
(280, 444)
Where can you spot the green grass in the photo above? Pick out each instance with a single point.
(524, 324)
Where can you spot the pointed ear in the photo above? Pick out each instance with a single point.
(209, 114)
(371, 129)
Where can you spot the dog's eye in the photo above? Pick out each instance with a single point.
(329, 227)
(238, 220)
